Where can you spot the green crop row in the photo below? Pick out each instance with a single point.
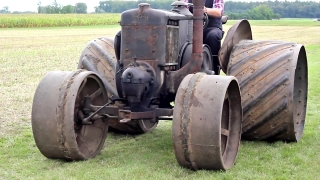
(56, 20)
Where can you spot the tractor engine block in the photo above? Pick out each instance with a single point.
(152, 38)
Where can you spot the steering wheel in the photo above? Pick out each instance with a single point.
(205, 20)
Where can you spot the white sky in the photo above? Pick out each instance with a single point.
(31, 5)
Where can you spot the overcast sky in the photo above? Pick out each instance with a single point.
(31, 5)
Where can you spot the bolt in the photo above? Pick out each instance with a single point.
(129, 75)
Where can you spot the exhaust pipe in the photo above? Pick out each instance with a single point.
(197, 39)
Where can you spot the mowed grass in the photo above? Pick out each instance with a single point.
(26, 55)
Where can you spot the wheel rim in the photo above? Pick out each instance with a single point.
(225, 124)
(89, 137)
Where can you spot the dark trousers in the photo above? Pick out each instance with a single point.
(212, 37)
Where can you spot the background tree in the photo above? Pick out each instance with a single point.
(234, 9)
(56, 8)
(81, 8)
(68, 9)
(39, 7)
(5, 9)
(98, 10)
(285, 9)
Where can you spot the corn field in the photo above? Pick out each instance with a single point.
(56, 20)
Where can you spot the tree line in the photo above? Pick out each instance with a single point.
(284, 9)
(235, 10)
(56, 8)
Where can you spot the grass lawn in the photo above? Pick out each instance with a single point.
(26, 55)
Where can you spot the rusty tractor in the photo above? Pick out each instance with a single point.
(129, 83)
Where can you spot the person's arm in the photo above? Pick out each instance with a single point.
(216, 10)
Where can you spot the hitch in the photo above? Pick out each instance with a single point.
(94, 116)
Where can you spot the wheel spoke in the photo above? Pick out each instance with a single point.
(84, 142)
(96, 94)
(94, 124)
(225, 132)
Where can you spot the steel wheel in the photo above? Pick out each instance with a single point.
(273, 78)
(207, 122)
(57, 104)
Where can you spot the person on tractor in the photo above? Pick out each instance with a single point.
(212, 33)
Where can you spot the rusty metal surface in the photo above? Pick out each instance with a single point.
(152, 63)
(127, 115)
(57, 102)
(99, 56)
(172, 42)
(273, 80)
(207, 122)
(174, 78)
(240, 31)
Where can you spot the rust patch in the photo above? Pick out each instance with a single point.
(61, 114)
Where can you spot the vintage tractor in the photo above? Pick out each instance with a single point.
(157, 68)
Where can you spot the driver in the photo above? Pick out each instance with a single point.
(212, 34)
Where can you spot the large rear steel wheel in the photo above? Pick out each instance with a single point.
(57, 103)
(99, 56)
(273, 78)
(207, 122)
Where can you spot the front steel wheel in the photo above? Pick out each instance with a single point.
(57, 104)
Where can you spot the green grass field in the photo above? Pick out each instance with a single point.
(28, 54)
(56, 20)
(64, 20)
